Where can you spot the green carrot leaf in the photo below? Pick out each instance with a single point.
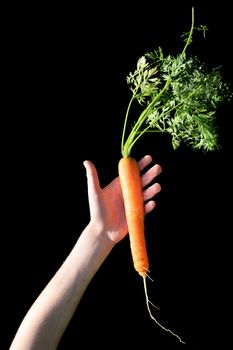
(178, 95)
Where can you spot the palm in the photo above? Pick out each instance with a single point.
(106, 205)
(114, 210)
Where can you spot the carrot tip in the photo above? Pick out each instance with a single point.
(143, 274)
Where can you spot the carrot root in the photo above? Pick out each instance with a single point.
(130, 179)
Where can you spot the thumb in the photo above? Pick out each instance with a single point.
(93, 184)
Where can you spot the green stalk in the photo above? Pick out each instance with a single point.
(189, 40)
(125, 123)
(126, 148)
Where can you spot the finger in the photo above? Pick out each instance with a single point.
(151, 191)
(92, 178)
(145, 161)
(151, 174)
(149, 206)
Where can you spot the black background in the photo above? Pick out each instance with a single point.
(64, 101)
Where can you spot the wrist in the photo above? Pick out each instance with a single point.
(103, 235)
(97, 237)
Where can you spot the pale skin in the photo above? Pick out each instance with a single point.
(46, 321)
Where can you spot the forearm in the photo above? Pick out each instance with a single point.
(47, 319)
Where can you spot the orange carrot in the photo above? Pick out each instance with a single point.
(131, 186)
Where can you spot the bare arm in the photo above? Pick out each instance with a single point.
(48, 317)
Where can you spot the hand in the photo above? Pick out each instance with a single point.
(106, 205)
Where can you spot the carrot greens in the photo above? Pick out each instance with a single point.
(179, 95)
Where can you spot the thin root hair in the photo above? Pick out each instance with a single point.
(148, 276)
(148, 302)
(156, 307)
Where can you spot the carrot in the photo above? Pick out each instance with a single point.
(169, 105)
(131, 186)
